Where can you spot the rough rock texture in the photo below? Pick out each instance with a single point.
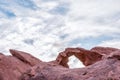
(12, 67)
(25, 57)
(102, 63)
(86, 56)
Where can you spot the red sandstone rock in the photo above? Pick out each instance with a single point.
(25, 57)
(102, 63)
(108, 69)
(115, 54)
(86, 56)
(104, 50)
(12, 67)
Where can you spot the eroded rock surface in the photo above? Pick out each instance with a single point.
(12, 67)
(102, 63)
(25, 57)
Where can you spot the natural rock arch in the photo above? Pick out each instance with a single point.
(87, 57)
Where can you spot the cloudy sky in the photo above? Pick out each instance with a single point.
(46, 27)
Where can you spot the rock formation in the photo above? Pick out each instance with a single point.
(102, 63)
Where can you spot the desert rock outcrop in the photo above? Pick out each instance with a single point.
(102, 63)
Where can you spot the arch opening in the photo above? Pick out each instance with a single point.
(75, 63)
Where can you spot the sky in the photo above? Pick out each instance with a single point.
(44, 28)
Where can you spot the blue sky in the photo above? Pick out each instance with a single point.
(46, 27)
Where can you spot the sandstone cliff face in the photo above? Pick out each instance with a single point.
(102, 63)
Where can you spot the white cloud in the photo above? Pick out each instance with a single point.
(47, 5)
(74, 62)
(92, 19)
(51, 33)
(111, 43)
(94, 8)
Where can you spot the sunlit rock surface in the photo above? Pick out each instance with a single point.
(101, 63)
